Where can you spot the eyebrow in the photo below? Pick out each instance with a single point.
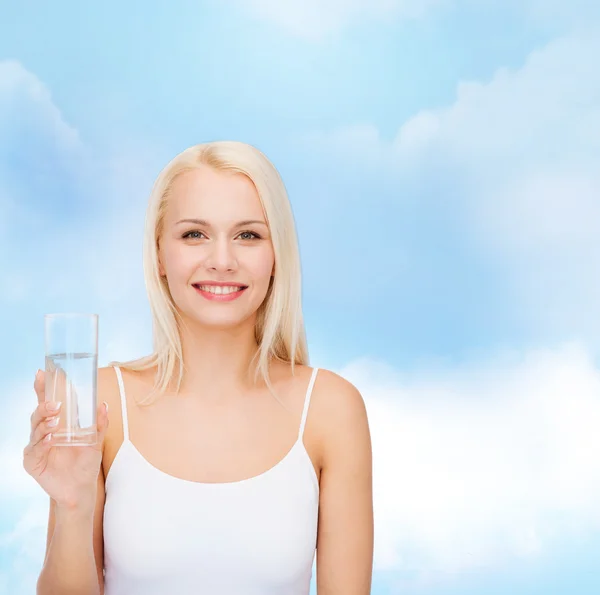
(205, 223)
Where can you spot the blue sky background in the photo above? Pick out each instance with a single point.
(443, 162)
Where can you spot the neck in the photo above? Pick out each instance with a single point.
(218, 361)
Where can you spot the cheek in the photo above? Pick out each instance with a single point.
(175, 261)
(263, 264)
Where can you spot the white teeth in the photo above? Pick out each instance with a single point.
(220, 290)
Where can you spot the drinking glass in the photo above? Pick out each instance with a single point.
(71, 375)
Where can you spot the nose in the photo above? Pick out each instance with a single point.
(221, 256)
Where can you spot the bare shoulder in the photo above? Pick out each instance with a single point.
(339, 399)
(341, 417)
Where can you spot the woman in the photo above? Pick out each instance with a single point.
(224, 447)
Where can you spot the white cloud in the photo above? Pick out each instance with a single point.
(531, 112)
(20, 400)
(316, 19)
(34, 134)
(552, 12)
(23, 548)
(22, 90)
(526, 149)
(22, 501)
(479, 464)
(521, 155)
(80, 227)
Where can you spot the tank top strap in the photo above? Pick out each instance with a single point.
(307, 402)
(123, 403)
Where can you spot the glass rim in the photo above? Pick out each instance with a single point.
(71, 315)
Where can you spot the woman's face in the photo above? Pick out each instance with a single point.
(215, 233)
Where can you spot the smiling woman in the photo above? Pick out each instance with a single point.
(241, 188)
(229, 461)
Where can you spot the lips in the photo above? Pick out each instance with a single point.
(220, 292)
(219, 287)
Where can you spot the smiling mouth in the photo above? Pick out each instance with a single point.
(220, 289)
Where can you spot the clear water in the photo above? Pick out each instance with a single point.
(71, 379)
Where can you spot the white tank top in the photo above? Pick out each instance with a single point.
(169, 536)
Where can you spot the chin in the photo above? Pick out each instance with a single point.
(220, 324)
(216, 322)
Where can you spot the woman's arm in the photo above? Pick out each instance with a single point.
(74, 549)
(345, 533)
(74, 560)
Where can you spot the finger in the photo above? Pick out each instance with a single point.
(56, 385)
(46, 426)
(39, 385)
(43, 411)
(37, 450)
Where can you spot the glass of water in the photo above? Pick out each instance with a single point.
(71, 374)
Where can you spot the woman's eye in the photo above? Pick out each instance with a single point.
(249, 235)
(194, 235)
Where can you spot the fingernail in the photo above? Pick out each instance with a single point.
(105, 406)
(54, 405)
(38, 374)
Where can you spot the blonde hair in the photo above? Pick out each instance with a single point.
(279, 328)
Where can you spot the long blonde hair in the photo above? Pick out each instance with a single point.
(279, 328)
